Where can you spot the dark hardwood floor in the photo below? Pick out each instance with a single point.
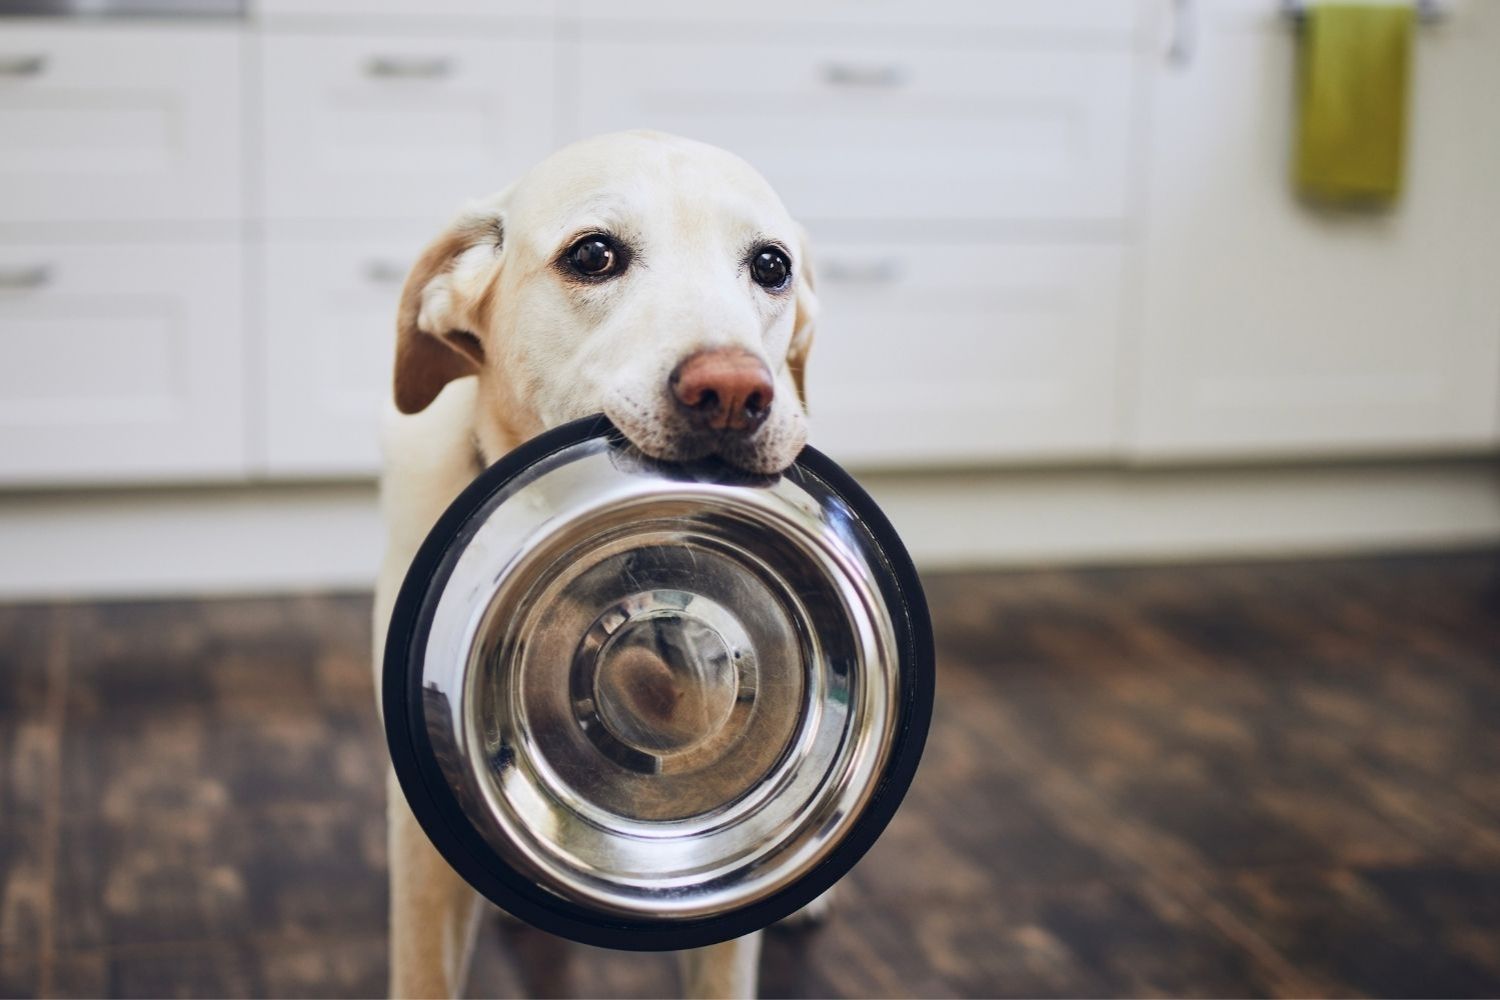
(1269, 779)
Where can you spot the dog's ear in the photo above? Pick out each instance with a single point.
(445, 305)
(807, 314)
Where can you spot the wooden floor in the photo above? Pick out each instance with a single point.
(1268, 780)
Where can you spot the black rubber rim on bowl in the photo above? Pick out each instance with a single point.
(437, 810)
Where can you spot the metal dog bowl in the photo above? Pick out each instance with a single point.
(645, 705)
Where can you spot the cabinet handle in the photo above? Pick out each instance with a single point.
(886, 271)
(409, 67)
(883, 76)
(384, 272)
(25, 277)
(1184, 34)
(31, 65)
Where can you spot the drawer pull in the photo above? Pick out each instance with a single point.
(31, 65)
(384, 272)
(26, 277)
(884, 75)
(409, 67)
(1184, 34)
(875, 272)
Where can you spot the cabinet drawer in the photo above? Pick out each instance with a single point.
(426, 11)
(120, 363)
(1109, 18)
(399, 127)
(912, 132)
(964, 353)
(119, 124)
(330, 315)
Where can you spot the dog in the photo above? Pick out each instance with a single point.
(649, 277)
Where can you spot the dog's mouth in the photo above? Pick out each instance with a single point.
(771, 449)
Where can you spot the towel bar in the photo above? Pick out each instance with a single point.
(1427, 10)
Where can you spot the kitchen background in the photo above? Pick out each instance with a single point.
(1074, 311)
(1052, 237)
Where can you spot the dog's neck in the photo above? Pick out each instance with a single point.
(490, 449)
(490, 443)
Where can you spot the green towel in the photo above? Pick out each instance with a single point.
(1355, 62)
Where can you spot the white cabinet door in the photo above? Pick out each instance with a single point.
(1274, 329)
(121, 363)
(400, 127)
(425, 10)
(964, 353)
(330, 321)
(902, 132)
(119, 123)
(1114, 19)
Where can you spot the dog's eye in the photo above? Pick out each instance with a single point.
(770, 268)
(596, 257)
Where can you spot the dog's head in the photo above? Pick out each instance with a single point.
(656, 279)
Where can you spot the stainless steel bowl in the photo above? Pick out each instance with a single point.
(650, 705)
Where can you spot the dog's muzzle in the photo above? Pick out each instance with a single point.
(656, 706)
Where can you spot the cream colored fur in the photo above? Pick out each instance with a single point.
(495, 345)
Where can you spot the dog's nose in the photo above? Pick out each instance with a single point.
(727, 389)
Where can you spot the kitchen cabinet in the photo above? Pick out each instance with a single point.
(330, 325)
(890, 132)
(121, 363)
(1038, 240)
(1026, 20)
(377, 127)
(1271, 328)
(120, 123)
(965, 353)
(418, 11)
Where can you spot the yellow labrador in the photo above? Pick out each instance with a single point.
(656, 279)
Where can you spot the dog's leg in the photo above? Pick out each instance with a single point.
(725, 971)
(814, 914)
(434, 913)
